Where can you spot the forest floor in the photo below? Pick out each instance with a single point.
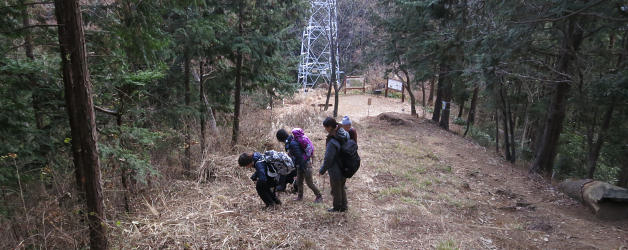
(419, 187)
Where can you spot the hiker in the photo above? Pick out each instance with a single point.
(346, 125)
(264, 183)
(335, 138)
(301, 150)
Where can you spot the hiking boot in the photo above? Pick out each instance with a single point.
(318, 199)
(277, 201)
(298, 198)
(333, 210)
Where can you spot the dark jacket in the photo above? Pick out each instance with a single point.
(296, 152)
(332, 162)
(260, 168)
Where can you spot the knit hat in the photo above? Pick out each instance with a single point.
(346, 120)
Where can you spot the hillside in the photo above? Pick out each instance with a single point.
(419, 187)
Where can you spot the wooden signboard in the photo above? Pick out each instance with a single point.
(354, 82)
(394, 85)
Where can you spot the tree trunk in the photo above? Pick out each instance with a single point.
(430, 99)
(186, 92)
(238, 83)
(461, 109)
(423, 96)
(508, 126)
(446, 93)
(471, 116)
(594, 148)
(328, 95)
(513, 152)
(80, 109)
(201, 108)
(525, 125)
(236, 94)
(438, 103)
(336, 100)
(28, 49)
(407, 87)
(546, 152)
(333, 65)
(496, 130)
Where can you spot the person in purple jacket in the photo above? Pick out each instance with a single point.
(304, 168)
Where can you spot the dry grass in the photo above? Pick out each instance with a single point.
(419, 188)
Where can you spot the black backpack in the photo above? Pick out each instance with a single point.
(349, 158)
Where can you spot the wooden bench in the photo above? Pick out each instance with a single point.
(321, 105)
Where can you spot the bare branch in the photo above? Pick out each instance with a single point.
(106, 111)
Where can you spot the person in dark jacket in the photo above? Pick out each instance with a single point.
(263, 183)
(304, 168)
(335, 138)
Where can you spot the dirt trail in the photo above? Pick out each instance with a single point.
(419, 188)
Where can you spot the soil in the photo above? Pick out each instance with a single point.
(419, 187)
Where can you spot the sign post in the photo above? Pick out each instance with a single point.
(395, 85)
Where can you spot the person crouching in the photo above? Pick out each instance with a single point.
(264, 183)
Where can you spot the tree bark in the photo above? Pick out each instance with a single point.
(471, 115)
(438, 103)
(333, 66)
(201, 107)
(328, 95)
(446, 93)
(526, 120)
(461, 109)
(186, 92)
(423, 96)
(430, 99)
(80, 109)
(407, 87)
(28, 49)
(496, 130)
(238, 83)
(508, 126)
(546, 152)
(595, 147)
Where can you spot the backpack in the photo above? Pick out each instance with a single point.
(349, 158)
(305, 143)
(277, 164)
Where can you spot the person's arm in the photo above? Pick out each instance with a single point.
(295, 151)
(355, 135)
(260, 171)
(330, 157)
(254, 176)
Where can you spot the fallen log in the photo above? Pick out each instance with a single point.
(607, 201)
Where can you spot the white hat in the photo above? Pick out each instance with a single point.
(346, 120)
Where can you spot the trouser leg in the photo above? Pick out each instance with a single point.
(310, 182)
(264, 192)
(300, 177)
(338, 193)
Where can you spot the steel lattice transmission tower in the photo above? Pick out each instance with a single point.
(316, 56)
